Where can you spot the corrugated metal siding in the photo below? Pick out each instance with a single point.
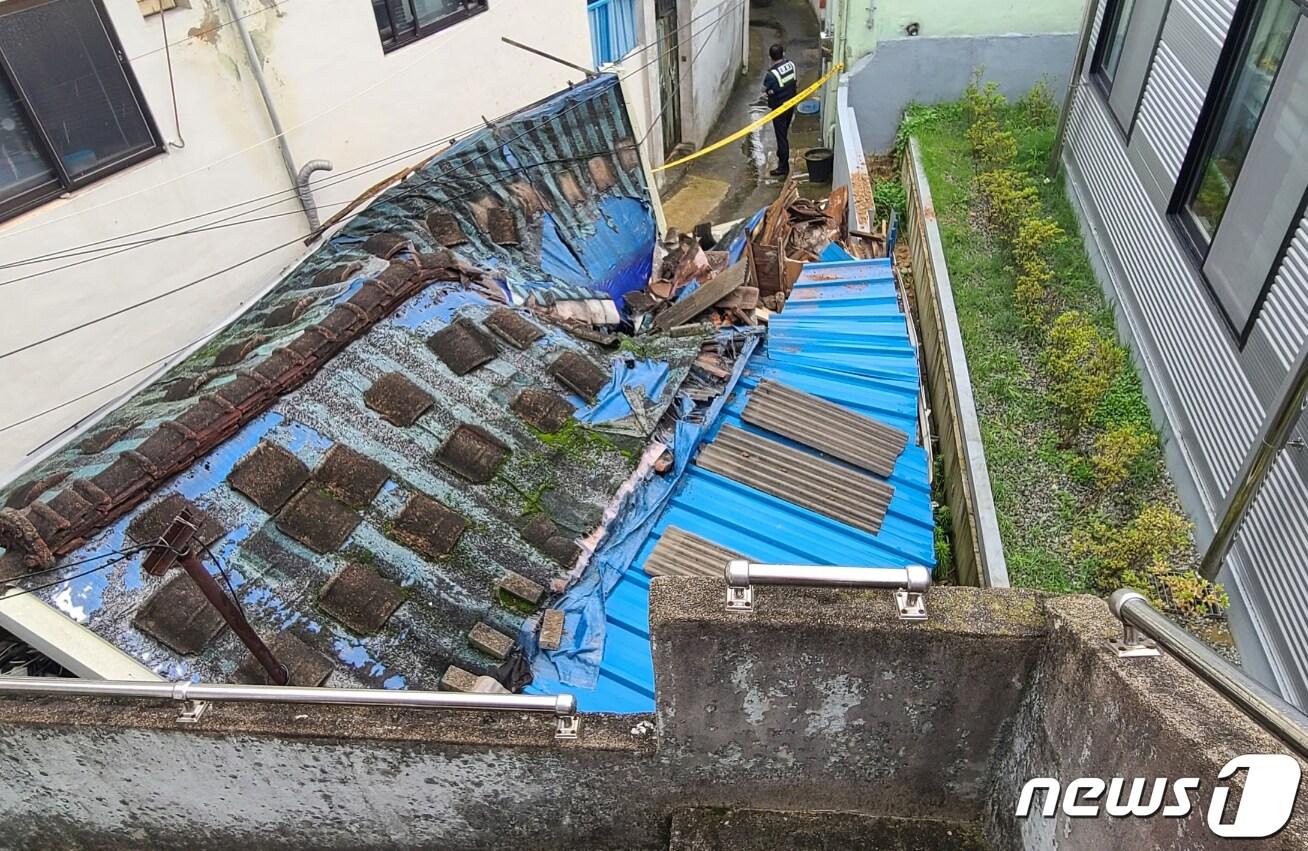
(1273, 541)
(1216, 394)
(1214, 16)
(1169, 110)
(1284, 320)
(1197, 353)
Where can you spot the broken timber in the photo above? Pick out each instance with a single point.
(709, 293)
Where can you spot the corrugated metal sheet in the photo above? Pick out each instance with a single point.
(797, 477)
(828, 428)
(1215, 395)
(679, 553)
(843, 338)
(1169, 110)
(1284, 319)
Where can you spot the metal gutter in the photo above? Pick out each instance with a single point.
(1073, 83)
(300, 180)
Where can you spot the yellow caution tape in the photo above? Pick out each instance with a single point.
(744, 131)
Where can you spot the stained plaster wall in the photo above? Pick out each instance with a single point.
(816, 701)
(339, 97)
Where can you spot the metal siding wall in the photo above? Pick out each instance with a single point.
(1274, 539)
(1218, 392)
(1212, 391)
(1284, 320)
(1168, 112)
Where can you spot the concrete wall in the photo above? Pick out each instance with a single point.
(930, 70)
(871, 22)
(817, 700)
(340, 98)
(711, 49)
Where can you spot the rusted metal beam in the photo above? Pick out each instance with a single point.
(177, 548)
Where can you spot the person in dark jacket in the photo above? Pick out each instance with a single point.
(779, 85)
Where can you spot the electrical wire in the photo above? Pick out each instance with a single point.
(236, 220)
(435, 42)
(159, 296)
(174, 353)
(32, 590)
(79, 563)
(227, 580)
(172, 85)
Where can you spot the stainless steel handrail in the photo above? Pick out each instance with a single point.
(909, 583)
(197, 695)
(1145, 629)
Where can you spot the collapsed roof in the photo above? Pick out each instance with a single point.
(382, 451)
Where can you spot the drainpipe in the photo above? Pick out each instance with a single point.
(306, 196)
(1267, 447)
(1073, 83)
(299, 179)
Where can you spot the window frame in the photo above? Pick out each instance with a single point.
(64, 183)
(1196, 245)
(1098, 72)
(470, 8)
(1107, 85)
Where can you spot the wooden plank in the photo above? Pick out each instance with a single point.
(708, 294)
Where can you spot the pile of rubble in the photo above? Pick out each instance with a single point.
(747, 274)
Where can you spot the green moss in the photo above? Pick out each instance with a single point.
(513, 604)
(577, 442)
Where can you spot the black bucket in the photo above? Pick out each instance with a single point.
(820, 162)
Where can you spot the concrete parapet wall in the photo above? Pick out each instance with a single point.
(817, 700)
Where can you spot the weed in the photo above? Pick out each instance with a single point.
(1150, 544)
(889, 195)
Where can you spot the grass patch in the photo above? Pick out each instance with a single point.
(1046, 477)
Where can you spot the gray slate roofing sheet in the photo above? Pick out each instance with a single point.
(797, 477)
(829, 428)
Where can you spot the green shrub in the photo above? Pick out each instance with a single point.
(1189, 595)
(1119, 453)
(981, 102)
(1148, 545)
(1011, 199)
(1037, 106)
(992, 145)
(1031, 298)
(1081, 365)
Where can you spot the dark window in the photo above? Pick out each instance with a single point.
(1245, 179)
(1233, 124)
(1112, 38)
(402, 21)
(71, 110)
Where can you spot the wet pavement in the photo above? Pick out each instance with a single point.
(733, 182)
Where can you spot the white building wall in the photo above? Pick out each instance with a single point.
(712, 48)
(340, 98)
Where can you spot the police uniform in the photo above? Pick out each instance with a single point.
(779, 84)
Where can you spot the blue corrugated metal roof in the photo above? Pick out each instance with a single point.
(842, 337)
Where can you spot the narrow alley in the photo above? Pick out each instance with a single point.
(733, 182)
